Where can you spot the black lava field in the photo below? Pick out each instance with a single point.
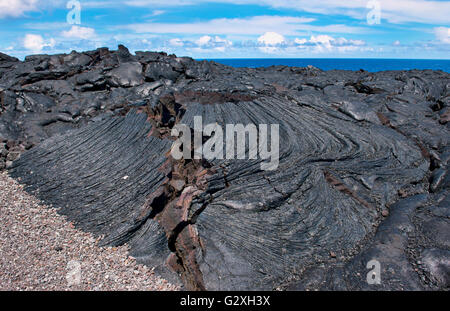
(362, 175)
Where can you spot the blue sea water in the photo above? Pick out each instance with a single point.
(372, 65)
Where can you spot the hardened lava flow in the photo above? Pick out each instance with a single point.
(362, 174)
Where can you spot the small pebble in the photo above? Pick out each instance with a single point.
(29, 230)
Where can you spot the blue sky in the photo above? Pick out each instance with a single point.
(231, 28)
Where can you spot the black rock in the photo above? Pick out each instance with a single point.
(362, 172)
(126, 75)
(158, 71)
(7, 58)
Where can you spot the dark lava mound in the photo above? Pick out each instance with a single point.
(363, 170)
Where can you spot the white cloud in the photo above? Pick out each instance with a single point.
(210, 44)
(203, 40)
(396, 43)
(155, 13)
(442, 34)
(45, 26)
(300, 41)
(322, 40)
(79, 32)
(36, 43)
(158, 12)
(284, 25)
(165, 3)
(326, 43)
(270, 42)
(271, 38)
(402, 11)
(398, 11)
(176, 42)
(346, 42)
(16, 8)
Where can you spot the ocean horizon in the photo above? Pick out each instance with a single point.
(368, 64)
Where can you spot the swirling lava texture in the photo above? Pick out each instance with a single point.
(362, 171)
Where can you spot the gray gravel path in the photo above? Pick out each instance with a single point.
(41, 250)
